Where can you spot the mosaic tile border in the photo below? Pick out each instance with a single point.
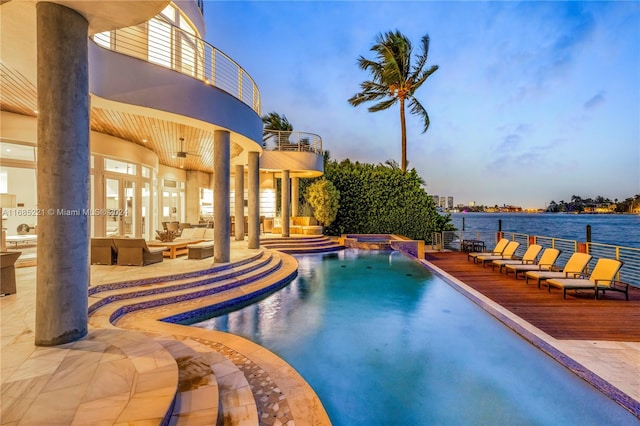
(272, 405)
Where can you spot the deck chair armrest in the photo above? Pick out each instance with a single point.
(574, 275)
(528, 262)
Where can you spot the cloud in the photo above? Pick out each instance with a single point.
(595, 101)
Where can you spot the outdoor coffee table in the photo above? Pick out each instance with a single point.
(175, 248)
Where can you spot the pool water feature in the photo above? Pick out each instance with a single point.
(383, 341)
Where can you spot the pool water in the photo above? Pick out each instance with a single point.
(384, 342)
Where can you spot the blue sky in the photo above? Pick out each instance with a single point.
(532, 101)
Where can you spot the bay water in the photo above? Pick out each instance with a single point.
(614, 229)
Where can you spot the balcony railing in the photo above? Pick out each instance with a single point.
(286, 140)
(164, 44)
(630, 256)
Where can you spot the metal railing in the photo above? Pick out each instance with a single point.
(630, 256)
(161, 43)
(287, 140)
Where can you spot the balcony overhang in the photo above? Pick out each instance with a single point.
(299, 164)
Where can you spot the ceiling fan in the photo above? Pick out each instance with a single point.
(182, 153)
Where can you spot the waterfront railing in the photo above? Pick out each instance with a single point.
(164, 44)
(288, 140)
(630, 256)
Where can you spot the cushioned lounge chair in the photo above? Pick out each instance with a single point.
(134, 251)
(602, 278)
(528, 258)
(573, 268)
(496, 251)
(508, 253)
(547, 259)
(103, 251)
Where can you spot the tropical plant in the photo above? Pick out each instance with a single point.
(378, 199)
(394, 79)
(279, 123)
(323, 196)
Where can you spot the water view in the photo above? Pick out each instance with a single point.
(614, 229)
(385, 342)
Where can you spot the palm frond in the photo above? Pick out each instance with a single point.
(416, 108)
(421, 60)
(383, 105)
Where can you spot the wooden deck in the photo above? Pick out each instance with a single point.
(578, 317)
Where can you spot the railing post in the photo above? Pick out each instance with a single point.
(588, 233)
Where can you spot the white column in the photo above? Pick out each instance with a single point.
(63, 175)
(294, 196)
(286, 198)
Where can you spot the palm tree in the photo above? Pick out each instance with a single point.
(275, 121)
(395, 80)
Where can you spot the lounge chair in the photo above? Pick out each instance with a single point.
(602, 278)
(134, 251)
(573, 268)
(547, 259)
(497, 250)
(103, 251)
(508, 253)
(528, 258)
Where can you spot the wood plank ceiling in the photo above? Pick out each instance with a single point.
(19, 95)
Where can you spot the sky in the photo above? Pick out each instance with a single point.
(532, 102)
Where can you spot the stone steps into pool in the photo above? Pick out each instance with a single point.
(180, 286)
(302, 245)
(211, 389)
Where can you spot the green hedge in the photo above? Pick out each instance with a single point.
(378, 199)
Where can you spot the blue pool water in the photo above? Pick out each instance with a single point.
(385, 342)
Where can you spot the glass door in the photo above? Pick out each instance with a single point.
(120, 205)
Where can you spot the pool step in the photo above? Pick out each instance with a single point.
(302, 245)
(197, 399)
(110, 293)
(106, 307)
(211, 389)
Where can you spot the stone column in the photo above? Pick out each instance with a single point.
(254, 200)
(221, 202)
(62, 277)
(239, 202)
(294, 196)
(286, 198)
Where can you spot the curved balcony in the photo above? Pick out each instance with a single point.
(298, 152)
(161, 43)
(287, 140)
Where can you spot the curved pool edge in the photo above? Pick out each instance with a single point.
(541, 340)
(305, 406)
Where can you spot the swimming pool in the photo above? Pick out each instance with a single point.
(384, 342)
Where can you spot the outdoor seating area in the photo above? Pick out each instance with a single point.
(539, 264)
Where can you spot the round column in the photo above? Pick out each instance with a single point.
(294, 196)
(254, 200)
(239, 202)
(63, 175)
(286, 199)
(221, 202)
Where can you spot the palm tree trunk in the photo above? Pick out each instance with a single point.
(403, 130)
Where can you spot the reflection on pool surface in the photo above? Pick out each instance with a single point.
(383, 341)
